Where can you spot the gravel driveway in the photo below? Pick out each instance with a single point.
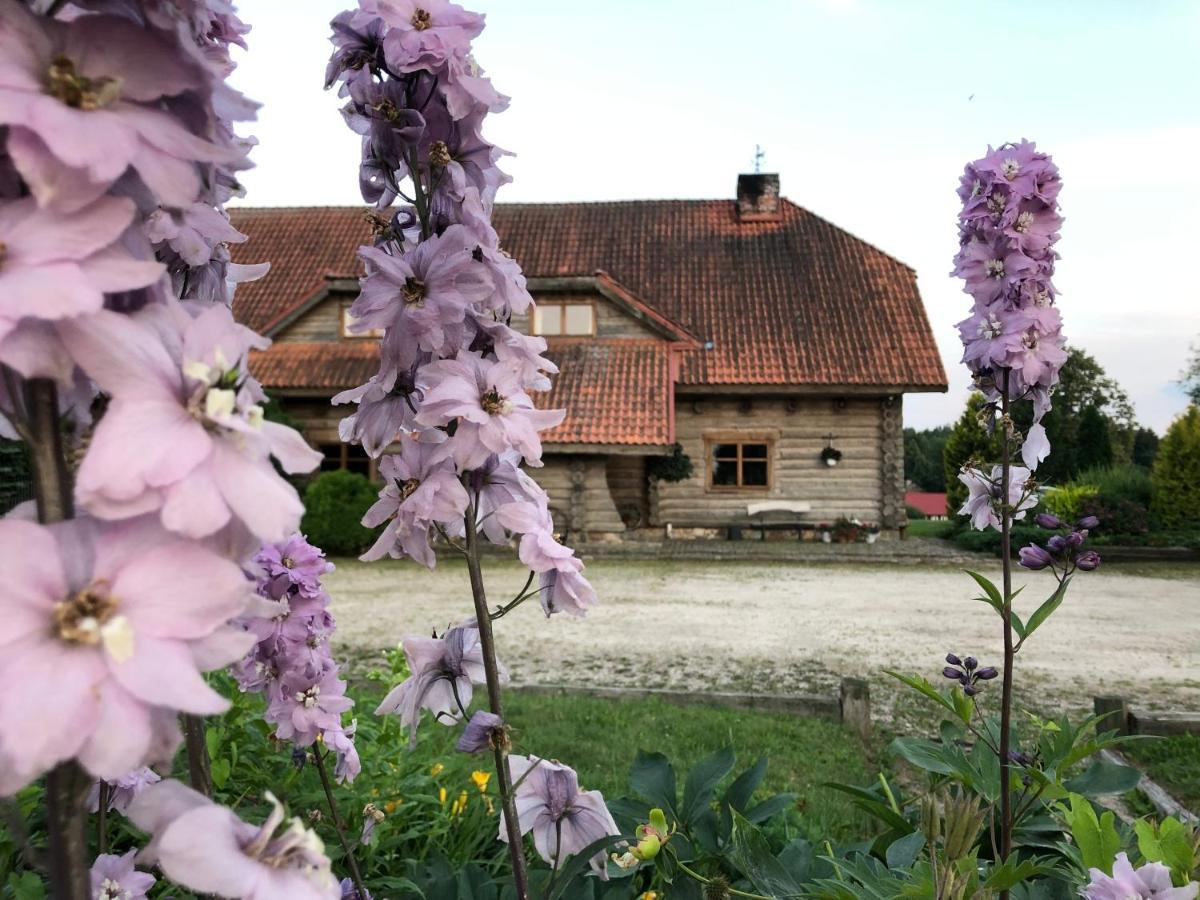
(783, 627)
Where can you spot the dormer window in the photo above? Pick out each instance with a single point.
(348, 320)
(558, 319)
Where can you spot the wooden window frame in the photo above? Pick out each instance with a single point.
(346, 334)
(711, 441)
(343, 458)
(563, 304)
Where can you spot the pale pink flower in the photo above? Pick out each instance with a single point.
(984, 494)
(181, 393)
(105, 626)
(1151, 881)
(207, 848)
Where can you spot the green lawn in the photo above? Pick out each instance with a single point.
(1173, 762)
(599, 738)
(930, 528)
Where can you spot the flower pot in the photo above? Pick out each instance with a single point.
(872, 537)
(826, 537)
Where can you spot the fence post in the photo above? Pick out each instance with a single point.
(856, 706)
(1113, 714)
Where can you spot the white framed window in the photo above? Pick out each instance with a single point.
(348, 320)
(556, 319)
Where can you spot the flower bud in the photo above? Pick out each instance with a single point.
(658, 821)
(1087, 522)
(1088, 560)
(953, 660)
(647, 847)
(970, 663)
(1074, 540)
(485, 731)
(987, 673)
(1048, 520)
(1035, 557)
(1056, 544)
(951, 672)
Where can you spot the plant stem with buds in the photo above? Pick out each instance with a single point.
(1006, 817)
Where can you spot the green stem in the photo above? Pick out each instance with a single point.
(1006, 694)
(732, 890)
(338, 825)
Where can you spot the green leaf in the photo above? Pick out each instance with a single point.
(220, 770)
(26, 886)
(738, 794)
(903, 852)
(921, 685)
(575, 865)
(1170, 844)
(992, 595)
(1010, 873)
(701, 784)
(1104, 778)
(1042, 613)
(963, 705)
(652, 777)
(751, 854)
(925, 755)
(772, 806)
(1096, 838)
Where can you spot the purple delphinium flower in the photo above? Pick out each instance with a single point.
(563, 818)
(297, 562)
(984, 495)
(350, 891)
(1063, 553)
(122, 790)
(485, 731)
(1007, 230)
(1151, 881)
(115, 878)
(207, 848)
(108, 628)
(444, 671)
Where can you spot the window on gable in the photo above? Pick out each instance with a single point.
(346, 456)
(739, 464)
(551, 319)
(348, 320)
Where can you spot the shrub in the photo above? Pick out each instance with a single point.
(1067, 501)
(1176, 475)
(334, 504)
(676, 467)
(1117, 516)
(1114, 483)
(913, 513)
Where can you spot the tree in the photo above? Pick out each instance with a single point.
(968, 440)
(1145, 447)
(1191, 375)
(1094, 447)
(1176, 475)
(923, 457)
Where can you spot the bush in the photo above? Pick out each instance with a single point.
(1117, 517)
(913, 513)
(1176, 475)
(673, 468)
(989, 541)
(1067, 501)
(334, 504)
(1115, 483)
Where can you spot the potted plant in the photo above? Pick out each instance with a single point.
(845, 531)
(826, 532)
(870, 532)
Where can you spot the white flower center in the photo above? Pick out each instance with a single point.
(112, 890)
(1023, 223)
(994, 268)
(990, 328)
(1009, 168)
(308, 699)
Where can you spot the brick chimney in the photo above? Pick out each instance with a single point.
(758, 197)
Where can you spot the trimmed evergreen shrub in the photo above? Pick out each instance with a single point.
(334, 504)
(1176, 475)
(676, 467)
(1067, 501)
(913, 513)
(1129, 483)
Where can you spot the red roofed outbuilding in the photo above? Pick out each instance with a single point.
(751, 331)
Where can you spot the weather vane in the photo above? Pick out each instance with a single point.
(758, 158)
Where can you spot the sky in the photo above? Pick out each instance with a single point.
(867, 109)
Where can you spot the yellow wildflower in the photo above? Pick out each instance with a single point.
(390, 806)
(436, 770)
(481, 779)
(442, 796)
(649, 895)
(459, 804)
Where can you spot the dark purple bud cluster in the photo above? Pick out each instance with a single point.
(968, 673)
(1063, 552)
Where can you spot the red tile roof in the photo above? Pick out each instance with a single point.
(615, 391)
(930, 503)
(796, 301)
(318, 366)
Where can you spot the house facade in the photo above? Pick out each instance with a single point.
(760, 338)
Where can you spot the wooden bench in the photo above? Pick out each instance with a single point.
(778, 515)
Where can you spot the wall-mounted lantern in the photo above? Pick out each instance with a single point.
(831, 456)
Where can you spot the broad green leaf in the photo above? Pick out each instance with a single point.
(738, 794)
(1011, 873)
(652, 777)
(1170, 844)
(903, 852)
(1043, 612)
(873, 806)
(992, 593)
(921, 685)
(1104, 778)
(220, 770)
(1096, 838)
(701, 783)
(772, 806)
(751, 854)
(926, 755)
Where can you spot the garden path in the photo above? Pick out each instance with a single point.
(797, 628)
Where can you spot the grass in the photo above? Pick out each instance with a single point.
(930, 528)
(600, 737)
(1173, 762)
